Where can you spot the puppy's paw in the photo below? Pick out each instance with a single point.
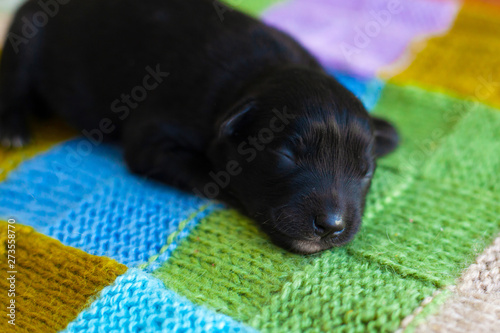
(13, 135)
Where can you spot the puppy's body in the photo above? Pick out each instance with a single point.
(211, 83)
(100, 50)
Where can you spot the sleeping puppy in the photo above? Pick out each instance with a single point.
(203, 98)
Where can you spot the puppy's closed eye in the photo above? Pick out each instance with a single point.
(286, 157)
(366, 171)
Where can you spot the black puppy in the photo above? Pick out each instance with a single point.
(203, 98)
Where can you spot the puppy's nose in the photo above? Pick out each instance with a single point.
(328, 224)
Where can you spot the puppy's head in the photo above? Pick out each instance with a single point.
(299, 154)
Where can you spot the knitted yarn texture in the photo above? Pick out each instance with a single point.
(53, 282)
(470, 49)
(137, 302)
(475, 304)
(99, 249)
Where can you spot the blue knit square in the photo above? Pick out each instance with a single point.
(84, 196)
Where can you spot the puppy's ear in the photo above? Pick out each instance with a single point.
(386, 137)
(239, 116)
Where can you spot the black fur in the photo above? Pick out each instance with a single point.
(234, 108)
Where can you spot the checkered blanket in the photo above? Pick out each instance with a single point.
(89, 247)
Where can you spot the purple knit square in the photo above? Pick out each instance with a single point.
(361, 36)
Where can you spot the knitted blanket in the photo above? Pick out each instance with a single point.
(89, 247)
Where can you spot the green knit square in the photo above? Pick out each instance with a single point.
(423, 119)
(431, 231)
(429, 215)
(342, 293)
(227, 264)
(471, 155)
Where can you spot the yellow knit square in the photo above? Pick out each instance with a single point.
(49, 283)
(464, 62)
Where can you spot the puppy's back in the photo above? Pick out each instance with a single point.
(96, 51)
